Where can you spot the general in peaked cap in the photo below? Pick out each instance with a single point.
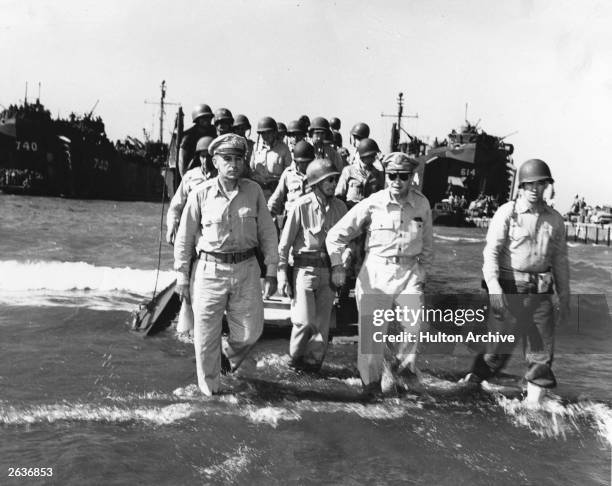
(228, 143)
(399, 162)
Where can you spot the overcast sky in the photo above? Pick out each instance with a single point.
(542, 68)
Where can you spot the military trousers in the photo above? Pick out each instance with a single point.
(383, 285)
(234, 289)
(530, 319)
(311, 313)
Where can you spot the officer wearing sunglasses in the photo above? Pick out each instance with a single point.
(399, 234)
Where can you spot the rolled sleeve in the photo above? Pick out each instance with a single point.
(288, 236)
(176, 206)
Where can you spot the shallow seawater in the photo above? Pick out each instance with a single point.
(99, 404)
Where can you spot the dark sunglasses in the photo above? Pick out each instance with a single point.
(404, 176)
(331, 179)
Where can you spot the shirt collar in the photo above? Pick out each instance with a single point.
(524, 206)
(411, 199)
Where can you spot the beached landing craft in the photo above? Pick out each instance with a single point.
(468, 163)
(41, 155)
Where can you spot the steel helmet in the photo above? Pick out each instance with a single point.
(534, 170)
(282, 128)
(242, 121)
(295, 128)
(304, 122)
(303, 152)
(201, 110)
(366, 147)
(360, 130)
(267, 124)
(318, 170)
(203, 144)
(334, 122)
(223, 114)
(318, 124)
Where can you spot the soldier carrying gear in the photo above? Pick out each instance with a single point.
(271, 158)
(201, 117)
(361, 179)
(399, 236)
(318, 132)
(293, 182)
(310, 289)
(223, 121)
(225, 220)
(525, 261)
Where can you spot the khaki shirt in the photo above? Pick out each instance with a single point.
(268, 163)
(307, 225)
(392, 229)
(192, 178)
(213, 222)
(358, 182)
(291, 186)
(528, 239)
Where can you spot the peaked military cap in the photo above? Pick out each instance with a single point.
(399, 162)
(228, 143)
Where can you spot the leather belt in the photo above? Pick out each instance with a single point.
(312, 260)
(396, 260)
(518, 276)
(211, 256)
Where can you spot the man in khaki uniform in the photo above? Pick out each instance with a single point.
(398, 226)
(525, 259)
(224, 221)
(308, 222)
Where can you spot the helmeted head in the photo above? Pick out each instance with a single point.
(322, 176)
(203, 144)
(241, 125)
(223, 121)
(319, 129)
(368, 150)
(201, 111)
(399, 172)
(303, 154)
(267, 128)
(360, 131)
(534, 170)
(533, 179)
(304, 123)
(204, 159)
(334, 123)
(282, 129)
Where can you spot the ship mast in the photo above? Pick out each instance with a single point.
(162, 110)
(397, 126)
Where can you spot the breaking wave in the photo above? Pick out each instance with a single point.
(76, 284)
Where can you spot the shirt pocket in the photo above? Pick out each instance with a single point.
(415, 230)
(213, 229)
(354, 191)
(383, 230)
(247, 222)
(518, 234)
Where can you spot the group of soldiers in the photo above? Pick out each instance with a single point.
(304, 220)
